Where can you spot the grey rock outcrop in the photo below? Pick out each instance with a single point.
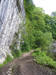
(12, 15)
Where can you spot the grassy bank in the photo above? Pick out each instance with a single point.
(43, 59)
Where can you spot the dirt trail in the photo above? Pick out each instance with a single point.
(25, 65)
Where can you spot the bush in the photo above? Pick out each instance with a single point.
(43, 59)
(8, 59)
(46, 40)
(25, 46)
(43, 40)
(16, 53)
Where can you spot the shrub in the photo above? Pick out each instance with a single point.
(43, 59)
(43, 40)
(16, 53)
(8, 59)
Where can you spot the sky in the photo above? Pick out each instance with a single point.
(48, 5)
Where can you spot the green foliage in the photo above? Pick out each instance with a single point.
(14, 50)
(51, 25)
(43, 59)
(46, 40)
(8, 59)
(16, 53)
(1, 65)
(38, 29)
(25, 46)
(43, 40)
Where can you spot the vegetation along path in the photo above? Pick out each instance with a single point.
(25, 65)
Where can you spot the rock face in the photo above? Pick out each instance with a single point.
(11, 18)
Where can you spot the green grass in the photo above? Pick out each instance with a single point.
(1, 65)
(43, 59)
(8, 59)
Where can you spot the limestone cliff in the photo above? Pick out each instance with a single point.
(12, 15)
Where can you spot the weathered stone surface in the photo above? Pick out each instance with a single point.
(11, 17)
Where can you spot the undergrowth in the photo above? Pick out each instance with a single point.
(8, 59)
(43, 59)
(16, 53)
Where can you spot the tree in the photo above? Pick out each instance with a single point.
(37, 27)
(50, 22)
